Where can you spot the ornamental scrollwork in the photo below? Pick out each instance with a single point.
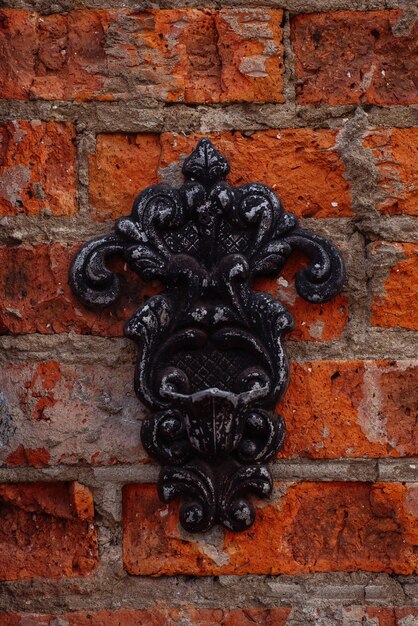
(211, 362)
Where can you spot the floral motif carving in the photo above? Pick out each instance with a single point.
(211, 362)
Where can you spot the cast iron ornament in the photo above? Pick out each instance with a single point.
(211, 363)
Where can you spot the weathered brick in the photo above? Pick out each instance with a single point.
(155, 617)
(53, 56)
(379, 616)
(43, 532)
(349, 57)
(347, 616)
(173, 55)
(18, 45)
(394, 285)
(37, 168)
(309, 527)
(396, 153)
(251, 55)
(121, 166)
(351, 409)
(60, 413)
(37, 298)
(301, 165)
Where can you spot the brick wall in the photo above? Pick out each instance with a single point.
(317, 99)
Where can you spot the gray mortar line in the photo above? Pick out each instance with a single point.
(363, 176)
(117, 590)
(294, 6)
(289, 92)
(86, 143)
(388, 343)
(293, 470)
(132, 116)
(45, 229)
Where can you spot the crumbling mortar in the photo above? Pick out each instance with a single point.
(136, 115)
(86, 143)
(113, 477)
(46, 7)
(109, 590)
(408, 17)
(363, 175)
(393, 343)
(380, 265)
(22, 229)
(289, 64)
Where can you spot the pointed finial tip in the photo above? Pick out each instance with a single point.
(206, 164)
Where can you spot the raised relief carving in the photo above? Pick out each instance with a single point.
(211, 362)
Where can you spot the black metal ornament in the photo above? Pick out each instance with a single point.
(211, 363)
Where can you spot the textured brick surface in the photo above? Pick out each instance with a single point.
(377, 616)
(37, 168)
(99, 100)
(121, 166)
(348, 57)
(46, 531)
(309, 527)
(157, 617)
(301, 165)
(346, 616)
(37, 298)
(396, 153)
(58, 413)
(395, 286)
(351, 409)
(174, 55)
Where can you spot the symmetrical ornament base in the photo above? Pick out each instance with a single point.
(211, 363)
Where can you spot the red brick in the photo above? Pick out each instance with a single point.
(396, 153)
(396, 616)
(350, 409)
(53, 57)
(350, 57)
(395, 301)
(37, 298)
(37, 168)
(121, 166)
(42, 534)
(351, 616)
(251, 55)
(157, 617)
(312, 527)
(89, 416)
(332, 409)
(18, 45)
(301, 165)
(36, 457)
(173, 55)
